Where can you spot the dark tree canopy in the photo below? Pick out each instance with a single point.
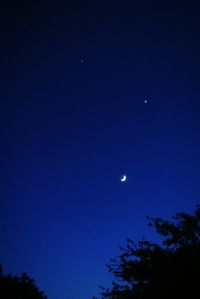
(14, 287)
(148, 270)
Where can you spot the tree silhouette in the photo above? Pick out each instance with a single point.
(149, 270)
(14, 287)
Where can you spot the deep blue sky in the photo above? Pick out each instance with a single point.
(70, 129)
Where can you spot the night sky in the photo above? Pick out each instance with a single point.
(74, 78)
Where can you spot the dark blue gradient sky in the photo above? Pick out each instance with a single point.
(70, 129)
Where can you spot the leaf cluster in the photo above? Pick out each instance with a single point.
(19, 287)
(145, 269)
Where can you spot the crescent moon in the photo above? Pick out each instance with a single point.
(123, 179)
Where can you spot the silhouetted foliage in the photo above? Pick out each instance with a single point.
(148, 270)
(14, 287)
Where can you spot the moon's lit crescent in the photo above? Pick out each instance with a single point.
(123, 179)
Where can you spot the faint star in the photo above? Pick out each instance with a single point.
(82, 60)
